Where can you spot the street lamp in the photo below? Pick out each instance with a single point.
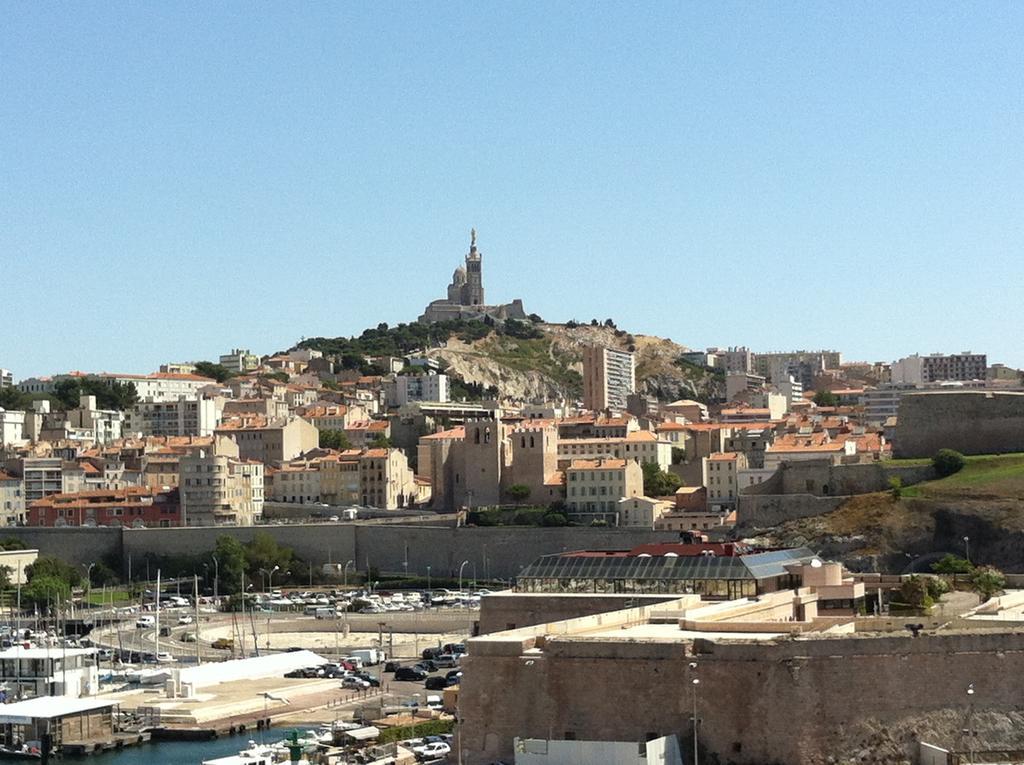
(344, 572)
(88, 581)
(428, 578)
(460, 575)
(696, 685)
(216, 576)
(967, 548)
(969, 732)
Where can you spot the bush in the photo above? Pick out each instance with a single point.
(896, 487)
(947, 461)
(987, 581)
(914, 592)
(554, 519)
(937, 587)
(952, 564)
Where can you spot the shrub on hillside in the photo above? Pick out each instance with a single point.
(947, 461)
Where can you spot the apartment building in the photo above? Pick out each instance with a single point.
(642, 445)
(803, 365)
(425, 387)
(609, 376)
(594, 487)
(642, 512)
(162, 386)
(12, 427)
(269, 441)
(6, 378)
(12, 500)
(219, 489)
(240, 360)
(739, 383)
(918, 370)
(296, 482)
(135, 506)
(379, 478)
(721, 478)
(187, 416)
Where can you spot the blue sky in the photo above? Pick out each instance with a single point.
(179, 179)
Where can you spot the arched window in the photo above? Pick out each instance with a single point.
(522, 442)
(531, 442)
(487, 436)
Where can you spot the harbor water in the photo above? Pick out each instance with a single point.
(181, 752)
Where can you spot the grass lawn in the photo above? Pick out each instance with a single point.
(98, 598)
(995, 474)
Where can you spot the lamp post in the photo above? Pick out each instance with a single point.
(460, 575)
(216, 576)
(428, 578)
(696, 684)
(967, 548)
(88, 581)
(970, 721)
(344, 572)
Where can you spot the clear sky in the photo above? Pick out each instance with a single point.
(177, 179)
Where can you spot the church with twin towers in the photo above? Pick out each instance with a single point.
(465, 298)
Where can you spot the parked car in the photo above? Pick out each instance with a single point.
(224, 644)
(144, 622)
(456, 648)
(410, 673)
(186, 619)
(374, 682)
(432, 751)
(165, 632)
(188, 637)
(427, 665)
(436, 683)
(454, 674)
(354, 682)
(391, 666)
(430, 653)
(448, 660)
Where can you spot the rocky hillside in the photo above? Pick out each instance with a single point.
(550, 366)
(877, 532)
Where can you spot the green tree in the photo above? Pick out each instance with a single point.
(13, 399)
(11, 543)
(263, 552)
(334, 439)
(5, 577)
(554, 519)
(48, 566)
(102, 575)
(914, 592)
(658, 483)
(519, 492)
(896, 487)
(42, 591)
(987, 581)
(826, 398)
(947, 461)
(952, 564)
(380, 442)
(218, 372)
(109, 394)
(231, 562)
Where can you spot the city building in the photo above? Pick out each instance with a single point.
(379, 478)
(269, 441)
(642, 512)
(721, 478)
(219, 489)
(609, 376)
(594, 488)
(103, 425)
(240, 360)
(134, 506)
(424, 387)
(642, 445)
(187, 416)
(917, 370)
(738, 383)
(6, 378)
(32, 673)
(12, 427)
(465, 297)
(804, 366)
(12, 500)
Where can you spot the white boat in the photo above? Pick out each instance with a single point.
(254, 754)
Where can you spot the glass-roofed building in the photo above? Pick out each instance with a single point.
(714, 570)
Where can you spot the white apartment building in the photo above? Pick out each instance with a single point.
(12, 427)
(937, 367)
(187, 416)
(641, 512)
(594, 487)
(6, 378)
(609, 376)
(35, 672)
(240, 360)
(104, 425)
(427, 387)
(297, 483)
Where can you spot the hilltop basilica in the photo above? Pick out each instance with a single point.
(466, 295)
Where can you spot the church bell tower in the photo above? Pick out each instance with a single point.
(473, 290)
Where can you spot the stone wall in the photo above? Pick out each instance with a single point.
(801, 702)
(971, 422)
(762, 512)
(822, 478)
(77, 545)
(491, 552)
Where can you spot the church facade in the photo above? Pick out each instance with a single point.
(465, 298)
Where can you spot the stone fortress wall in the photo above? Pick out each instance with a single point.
(971, 422)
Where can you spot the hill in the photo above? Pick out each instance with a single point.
(526, 360)
(984, 502)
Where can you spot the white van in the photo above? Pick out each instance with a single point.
(144, 622)
(324, 613)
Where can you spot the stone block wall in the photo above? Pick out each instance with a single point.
(971, 422)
